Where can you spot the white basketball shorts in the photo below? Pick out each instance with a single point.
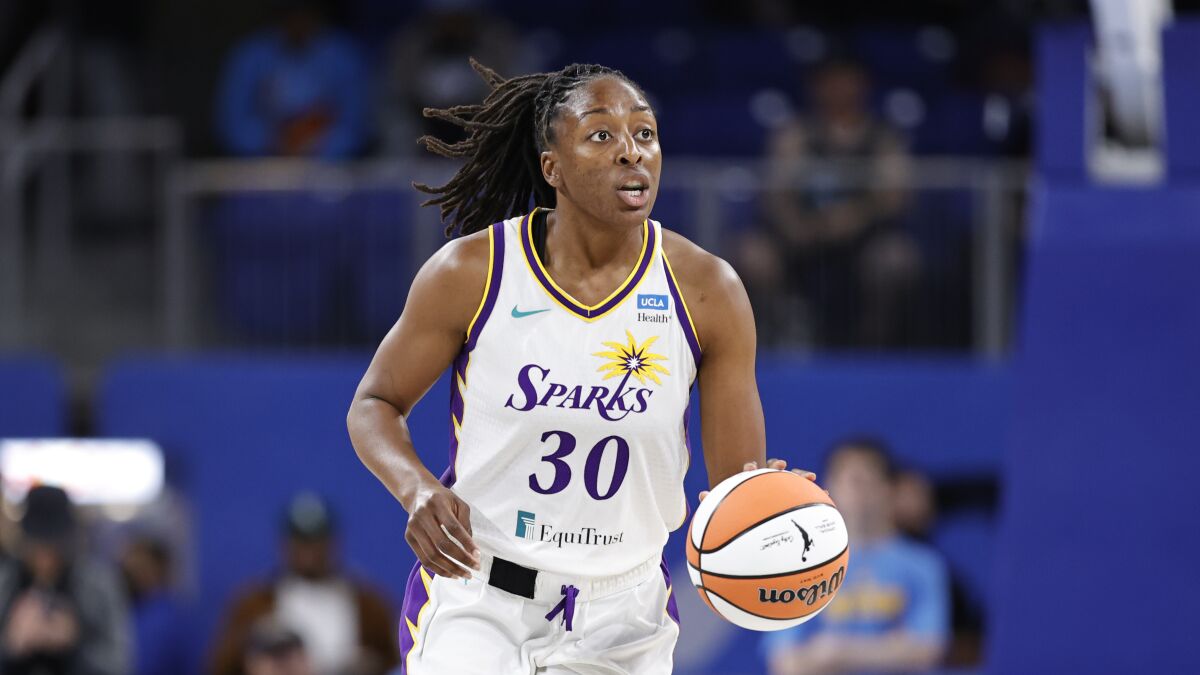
(625, 624)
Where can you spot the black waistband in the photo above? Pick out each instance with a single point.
(511, 577)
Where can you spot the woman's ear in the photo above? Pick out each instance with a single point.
(550, 169)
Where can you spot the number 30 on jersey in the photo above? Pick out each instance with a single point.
(591, 468)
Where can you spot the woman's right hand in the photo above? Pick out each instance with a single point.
(435, 514)
(777, 464)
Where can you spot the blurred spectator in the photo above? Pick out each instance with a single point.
(274, 649)
(913, 505)
(160, 634)
(915, 510)
(427, 67)
(835, 191)
(62, 612)
(346, 627)
(297, 89)
(891, 614)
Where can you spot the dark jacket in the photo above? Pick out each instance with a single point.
(104, 637)
(376, 626)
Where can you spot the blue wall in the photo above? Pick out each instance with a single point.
(945, 416)
(33, 398)
(1097, 551)
(1097, 556)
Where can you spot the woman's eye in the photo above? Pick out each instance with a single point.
(647, 134)
(601, 135)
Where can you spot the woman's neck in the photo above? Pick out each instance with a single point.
(577, 241)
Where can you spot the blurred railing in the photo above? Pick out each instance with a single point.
(706, 200)
(38, 153)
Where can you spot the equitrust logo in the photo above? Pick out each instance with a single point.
(525, 521)
(528, 527)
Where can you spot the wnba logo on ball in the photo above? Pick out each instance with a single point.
(806, 594)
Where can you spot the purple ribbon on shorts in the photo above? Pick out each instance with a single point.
(566, 606)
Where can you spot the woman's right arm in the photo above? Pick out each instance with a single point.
(416, 351)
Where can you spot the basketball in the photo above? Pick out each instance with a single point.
(767, 549)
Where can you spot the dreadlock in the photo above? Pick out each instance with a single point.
(506, 136)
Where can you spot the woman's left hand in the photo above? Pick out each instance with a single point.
(778, 464)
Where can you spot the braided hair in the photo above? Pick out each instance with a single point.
(506, 136)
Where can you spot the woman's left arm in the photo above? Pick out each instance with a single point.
(731, 416)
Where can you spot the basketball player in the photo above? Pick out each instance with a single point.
(574, 333)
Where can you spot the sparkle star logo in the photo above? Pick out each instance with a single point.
(631, 359)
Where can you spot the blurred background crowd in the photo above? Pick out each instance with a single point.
(206, 224)
(83, 593)
(799, 142)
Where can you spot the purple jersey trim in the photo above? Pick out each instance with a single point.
(493, 290)
(415, 597)
(681, 312)
(457, 408)
(535, 266)
(459, 371)
(672, 608)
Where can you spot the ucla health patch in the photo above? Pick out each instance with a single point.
(652, 301)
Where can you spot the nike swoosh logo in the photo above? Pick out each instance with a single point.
(518, 314)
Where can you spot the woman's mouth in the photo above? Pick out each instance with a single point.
(634, 195)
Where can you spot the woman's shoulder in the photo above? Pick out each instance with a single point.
(710, 286)
(694, 266)
(451, 283)
(463, 256)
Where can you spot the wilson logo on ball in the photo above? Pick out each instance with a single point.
(808, 594)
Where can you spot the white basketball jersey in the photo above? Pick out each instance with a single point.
(569, 422)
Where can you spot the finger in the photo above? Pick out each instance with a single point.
(448, 554)
(440, 569)
(442, 549)
(778, 464)
(460, 529)
(466, 552)
(428, 561)
(807, 474)
(450, 517)
(439, 563)
(429, 554)
(463, 511)
(453, 550)
(749, 466)
(703, 494)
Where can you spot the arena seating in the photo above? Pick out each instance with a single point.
(321, 267)
(282, 261)
(276, 263)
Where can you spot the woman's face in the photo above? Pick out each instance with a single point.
(604, 156)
